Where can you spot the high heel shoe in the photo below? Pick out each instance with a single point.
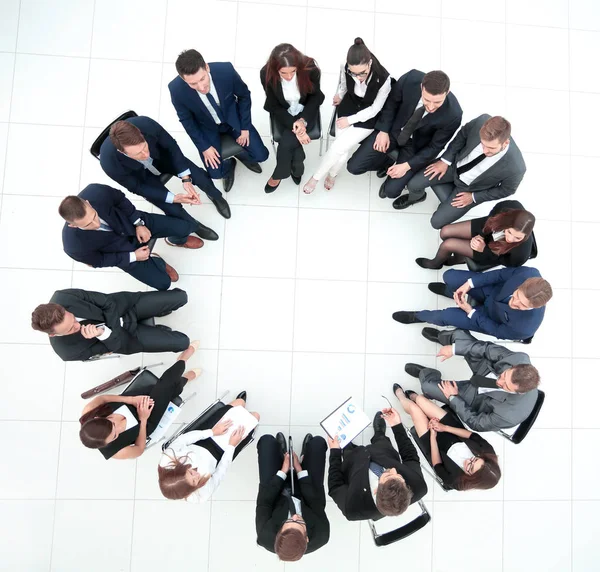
(269, 188)
(426, 263)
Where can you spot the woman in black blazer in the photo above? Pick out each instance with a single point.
(501, 238)
(291, 82)
(461, 458)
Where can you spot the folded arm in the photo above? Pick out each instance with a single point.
(338, 489)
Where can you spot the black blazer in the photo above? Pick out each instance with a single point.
(432, 132)
(131, 173)
(349, 478)
(103, 248)
(104, 308)
(272, 511)
(277, 106)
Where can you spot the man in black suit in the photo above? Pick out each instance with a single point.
(104, 229)
(291, 526)
(483, 163)
(376, 481)
(138, 151)
(419, 117)
(82, 324)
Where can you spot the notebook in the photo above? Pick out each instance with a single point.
(239, 416)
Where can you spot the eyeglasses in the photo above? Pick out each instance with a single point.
(296, 521)
(362, 73)
(471, 464)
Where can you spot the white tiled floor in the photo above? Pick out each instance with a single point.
(293, 302)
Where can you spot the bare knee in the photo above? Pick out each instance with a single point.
(255, 414)
(238, 403)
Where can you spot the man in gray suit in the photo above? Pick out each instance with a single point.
(483, 403)
(482, 163)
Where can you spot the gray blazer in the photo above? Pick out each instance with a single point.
(500, 180)
(492, 410)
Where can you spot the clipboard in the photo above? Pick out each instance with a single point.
(347, 421)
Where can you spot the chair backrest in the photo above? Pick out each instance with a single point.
(417, 441)
(332, 122)
(197, 422)
(403, 531)
(526, 425)
(95, 148)
(534, 246)
(141, 384)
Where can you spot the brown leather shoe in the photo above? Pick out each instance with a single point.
(192, 242)
(173, 275)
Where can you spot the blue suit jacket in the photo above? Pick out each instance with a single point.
(131, 173)
(102, 248)
(496, 317)
(234, 101)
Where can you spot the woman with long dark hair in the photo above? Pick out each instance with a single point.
(461, 458)
(363, 88)
(118, 425)
(291, 82)
(501, 238)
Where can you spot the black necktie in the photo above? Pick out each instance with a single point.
(287, 493)
(468, 166)
(482, 381)
(411, 125)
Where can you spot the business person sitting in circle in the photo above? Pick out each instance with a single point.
(501, 238)
(194, 465)
(118, 425)
(461, 458)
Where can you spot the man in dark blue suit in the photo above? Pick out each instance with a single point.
(104, 229)
(509, 302)
(211, 100)
(138, 151)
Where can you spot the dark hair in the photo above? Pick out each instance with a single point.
(485, 478)
(519, 219)
(495, 128)
(46, 317)
(189, 62)
(123, 133)
(525, 376)
(393, 497)
(284, 56)
(537, 290)
(95, 431)
(172, 482)
(291, 544)
(72, 208)
(436, 82)
(358, 53)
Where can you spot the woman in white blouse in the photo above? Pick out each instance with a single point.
(291, 82)
(363, 88)
(194, 465)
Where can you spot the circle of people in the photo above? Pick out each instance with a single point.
(401, 128)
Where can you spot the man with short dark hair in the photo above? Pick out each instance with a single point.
(482, 163)
(376, 481)
(483, 403)
(508, 303)
(212, 100)
(291, 525)
(139, 150)
(104, 229)
(82, 324)
(419, 117)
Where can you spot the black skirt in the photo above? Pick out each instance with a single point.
(444, 440)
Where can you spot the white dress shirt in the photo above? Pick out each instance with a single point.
(130, 420)
(291, 93)
(373, 484)
(106, 331)
(459, 453)
(213, 92)
(201, 460)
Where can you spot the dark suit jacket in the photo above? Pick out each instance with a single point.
(500, 180)
(234, 101)
(432, 132)
(132, 174)
(277, 106)
(497, 318)
(105, 308)
(272, 511)
(102, 248)
(349, 478)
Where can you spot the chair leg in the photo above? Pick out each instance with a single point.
(321, 146)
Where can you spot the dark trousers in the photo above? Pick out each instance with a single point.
(366, 158)
(152, 271)
(169, 386)
(199, 176)
(290, 156)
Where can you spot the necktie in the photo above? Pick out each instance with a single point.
(292, 507)
(482, 381)
(376, 468)
(411, 125)
(216, 107)
(149, 164)
(468, 166)
(104, 226)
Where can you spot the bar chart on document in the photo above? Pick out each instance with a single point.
(346, 422)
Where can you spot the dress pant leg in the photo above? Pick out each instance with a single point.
(429, 379)
(314, 460)
(156, 304)
(270, 458)
(290, 155)
(448, 317)
(256, 151)
(441, 187)
(151, 272)
(175, 228)
(446, 213)
(169, 386)
(394, 187)
(201, 180)
(365, 158)
(155, 339)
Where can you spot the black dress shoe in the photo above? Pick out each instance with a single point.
(305, 443)
(382, 194)
(431, 334)
(222, 206)
(242, 395)
(206, 233)
(440, 289)
(280, 438)
(254, 167)
(406, 317)
(397, 387)
(405, 201)
(297, 179)
(269, 188)
(382, 172)
(409, 393)
(379, 423)
(427, 264)
(413, 369)
(228, 181)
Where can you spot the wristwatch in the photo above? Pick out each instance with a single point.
(186, 179)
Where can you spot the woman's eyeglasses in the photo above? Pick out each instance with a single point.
(362, 73)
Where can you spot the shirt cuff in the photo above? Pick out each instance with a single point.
(302, 474)
(105, 334)
(473, 197)
(470, 283)
(454, 349)
(139, 222)
(170, 197)
(281, 475)
(470, 314)
(184, 173)
(132, 257)
(445, 161)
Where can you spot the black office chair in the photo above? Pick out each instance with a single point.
(401, 532)
(524, 427)
(429, 468)
(475, 267)
(314, 133)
